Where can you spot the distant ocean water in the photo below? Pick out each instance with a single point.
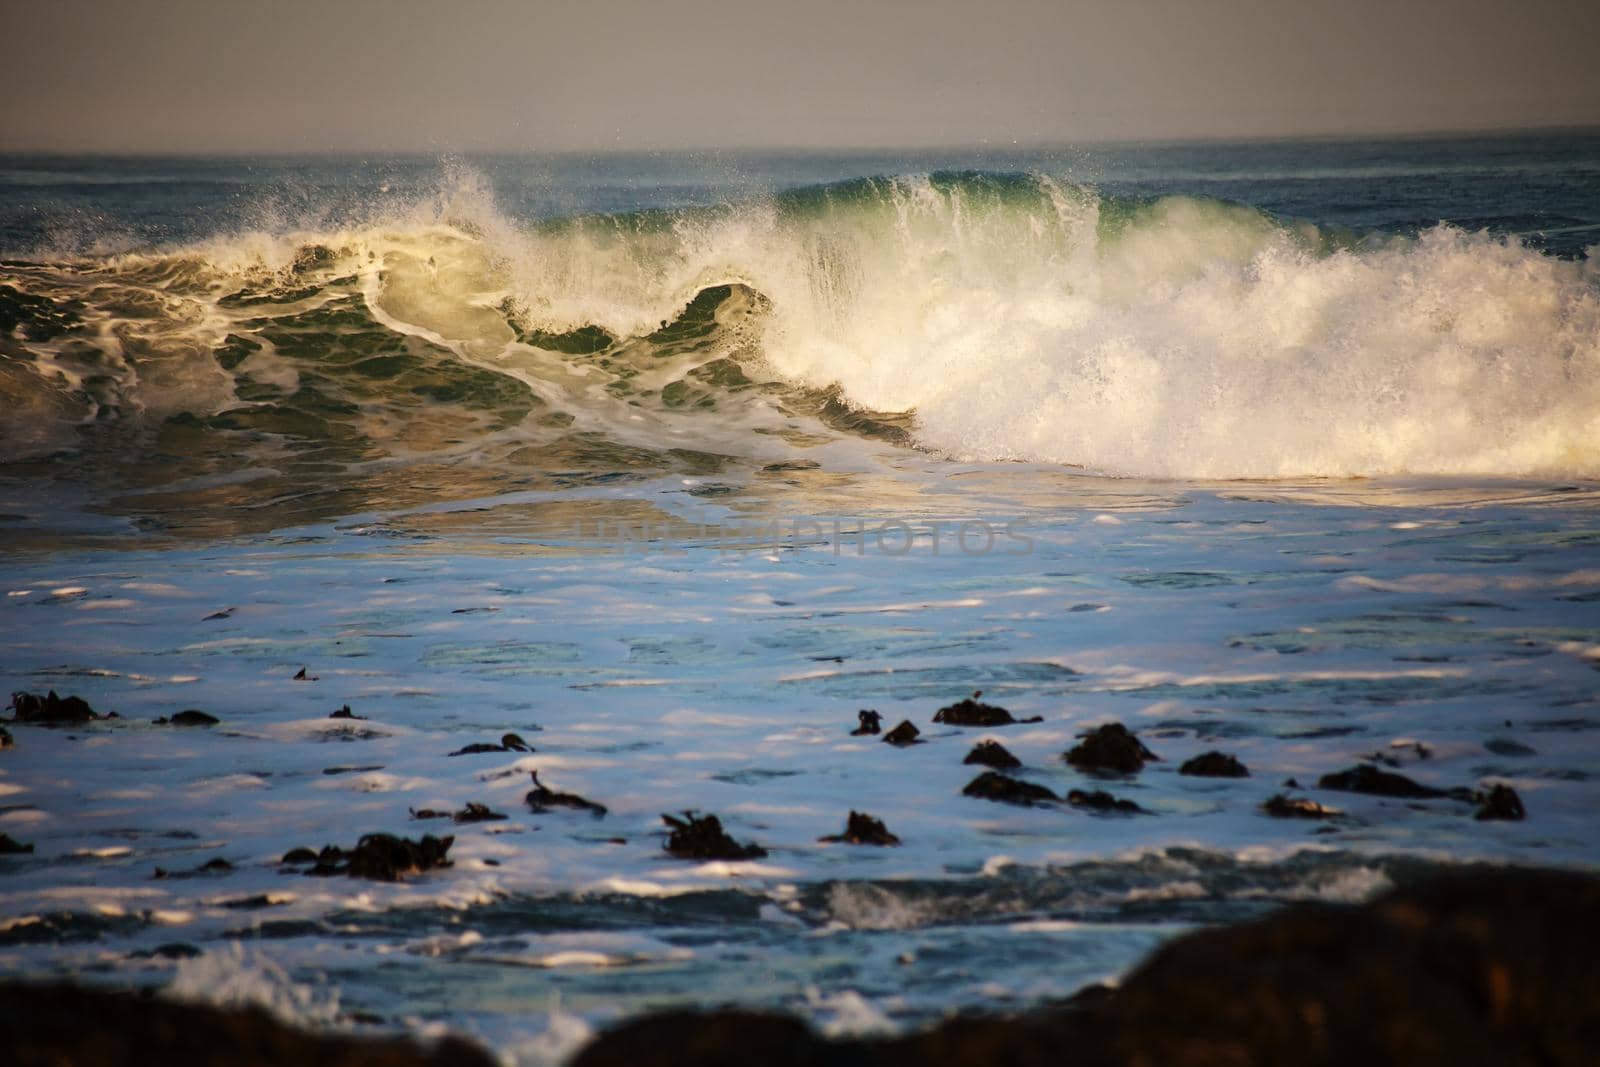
(672, 463)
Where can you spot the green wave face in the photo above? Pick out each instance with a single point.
(266, 379)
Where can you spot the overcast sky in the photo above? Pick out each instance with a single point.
(363, 75)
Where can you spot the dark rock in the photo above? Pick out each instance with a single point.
(62, 1024)
(1214, 765)
(387, 858)
(1100, 800)
(31, 707)
(871, 723)
(345, 713)
(347, 768)
(992, 754)
(701, 837)
(541, 798)
(191, 717)
(429, 813)
(992, 785)
(172, 950)
(9, 846)
(508, 743)
(1492, 967)
(298, 856)
(971, 713)
(862, 829)
(904, 734)
(475, 812)
(1287, 807)
(252, 903)
(1112, 748)
(301, 676)
(1365, 778)
(5, 738)
(1499, 801)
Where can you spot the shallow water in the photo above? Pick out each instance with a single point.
(678, 570)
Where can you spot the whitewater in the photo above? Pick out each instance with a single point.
(672, 465)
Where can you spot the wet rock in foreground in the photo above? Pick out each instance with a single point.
(862, 829)
(1486, 967)
(992, 785)
(992, 754)
(1365, 778)
(971, 713)
(61, 1024)
(31, 707)
(701, 837)
(1112, 748)
(1214, 765)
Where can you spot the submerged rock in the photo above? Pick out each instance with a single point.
(1286, 807)
(701, 837)
(1365, 778)
(992, 785)
(971, 713)
(1499, 801)
(542, 798)
(1505, 746)
(31, 707)
(1100, 800)
(10, 846)
(345, 713)
(508, 743)
(191, 717)
(904, 734)
(63, 1024)
(862, 829)
(473, 812)
(870, 723)
(1112, 748)
(992, 754)
(1214, 765)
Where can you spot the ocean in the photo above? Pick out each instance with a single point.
(672, 464)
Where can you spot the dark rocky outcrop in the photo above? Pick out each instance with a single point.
(701, 837)
(971, 713)
(541, 798)
(992, 754)
(904, 734)
(57, 1025)
(345, 713)
(10, 846)
(1365, 778)
(1499, 801)
(1214, 765)
(992, 785)
(191, 717)
(508, 743)
(1492, 967)
(862, 829)
(1110, 749)
(1286, 807)
(31, 707)
(1100, 800)
(870, 723)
